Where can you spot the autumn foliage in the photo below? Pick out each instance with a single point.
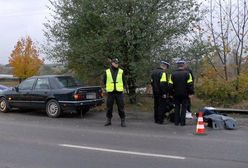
(215, 90)
(24, 59)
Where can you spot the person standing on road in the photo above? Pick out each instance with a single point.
(158, 79)
(181, 83)
(165, 98)
(114, 81)
(187, 68)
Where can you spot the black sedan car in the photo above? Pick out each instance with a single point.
(54, 93)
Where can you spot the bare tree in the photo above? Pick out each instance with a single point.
(228, 30)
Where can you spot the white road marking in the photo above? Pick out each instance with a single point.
(123, 152)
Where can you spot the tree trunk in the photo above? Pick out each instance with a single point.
(131, 90)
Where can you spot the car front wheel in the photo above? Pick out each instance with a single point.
(4, 105)
(53, 109)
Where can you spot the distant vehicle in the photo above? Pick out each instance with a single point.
(53, 93)
(6, 76)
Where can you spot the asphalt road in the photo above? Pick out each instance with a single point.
(32, 140)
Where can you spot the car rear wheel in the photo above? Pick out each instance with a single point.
(53, 109)
(4, 105)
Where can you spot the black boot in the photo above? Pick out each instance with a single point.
(108, 122)
(123, 123)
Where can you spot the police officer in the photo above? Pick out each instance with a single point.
(158, 78)
(182, 86)
(187, 68)
(165, 99)
(114, 81)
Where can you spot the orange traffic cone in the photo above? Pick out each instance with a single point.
(200, 129)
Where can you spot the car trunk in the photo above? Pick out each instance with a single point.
(89, 93)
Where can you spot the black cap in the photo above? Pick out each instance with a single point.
(115, 60)
(164, 63)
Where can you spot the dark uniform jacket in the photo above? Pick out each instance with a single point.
(155, 80)
(114, 72)
(181, 87)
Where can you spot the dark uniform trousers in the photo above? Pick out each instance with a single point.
(156, 107)
(189, 105)
(119, 98)
(181, 103)
(161, 110)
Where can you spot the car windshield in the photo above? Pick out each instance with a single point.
(68, 81)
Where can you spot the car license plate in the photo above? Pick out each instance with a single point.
(91, 96)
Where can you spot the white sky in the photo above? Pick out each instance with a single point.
(18, 19)
(21, 18)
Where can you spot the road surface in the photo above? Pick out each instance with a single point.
(32, 140)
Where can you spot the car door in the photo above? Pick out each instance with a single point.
(21, 97)
(40, 92)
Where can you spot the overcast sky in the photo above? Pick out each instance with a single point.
(20, 18)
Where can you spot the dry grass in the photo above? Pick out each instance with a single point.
(197, 104)
(9, 83)
(145, 104)
(241, 105)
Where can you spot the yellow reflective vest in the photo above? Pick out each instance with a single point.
(111, 84)
(190, 80)
(163, 77)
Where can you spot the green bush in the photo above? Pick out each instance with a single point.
(220, 92)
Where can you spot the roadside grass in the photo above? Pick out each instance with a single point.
(145, 104)
(242, 105)
(197, 104)
(10, 83)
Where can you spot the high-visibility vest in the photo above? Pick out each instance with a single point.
(190, 80)
(110, 84)
(163, 77)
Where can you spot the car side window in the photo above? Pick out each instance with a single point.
(27, 84)
(42, 83)
(68, 82)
